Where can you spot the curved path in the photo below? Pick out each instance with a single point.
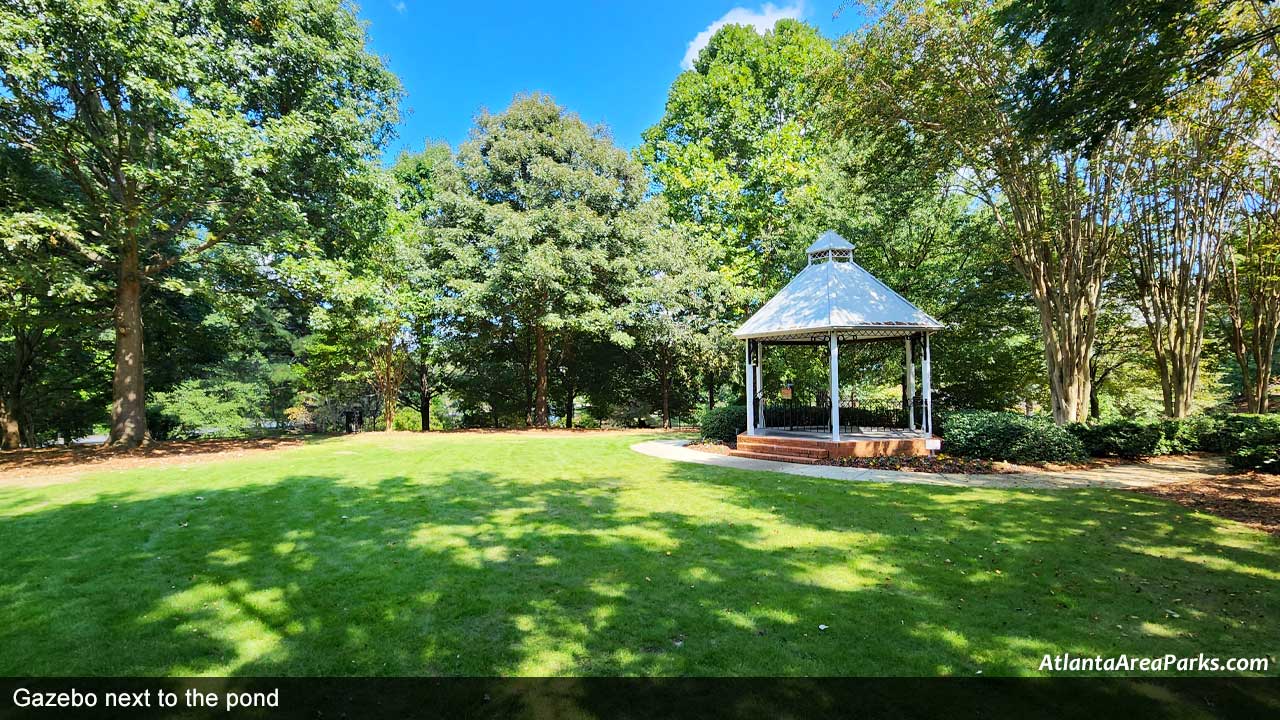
(1157, 471)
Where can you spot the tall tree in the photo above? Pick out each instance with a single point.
(539, 213)
(678, 297)
(1250, 280)
(735, 152)
(184, 124)
(47, 294)
(1182, 196)
(426, 262)
(941, 69)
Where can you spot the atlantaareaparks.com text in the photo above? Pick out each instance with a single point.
(1067, 662)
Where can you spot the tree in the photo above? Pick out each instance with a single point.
(47, 296)
(361, 333)
(1182, 197)
(940, 69)
(425, 260)
(1250, 280)
(678, 296)
(537, 216)
(1103, 66)
(186, 124)
(735, 153)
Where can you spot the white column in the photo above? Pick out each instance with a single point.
(751, 393)
(910, 386)
(760, 382)
(928, 388)
(835, 388)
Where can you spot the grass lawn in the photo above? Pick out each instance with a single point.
(482, 554)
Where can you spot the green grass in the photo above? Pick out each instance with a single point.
(484, 554)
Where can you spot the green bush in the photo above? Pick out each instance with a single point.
(1009, 436)
(1119, 438)
(1188, 434)
(1236, 432)
(1137, 439)
(723, 424)
(197, 408)
(1263, 458)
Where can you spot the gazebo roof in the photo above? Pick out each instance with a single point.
(834, 294)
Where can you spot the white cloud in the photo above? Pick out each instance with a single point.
(762, 20)
(400, 7)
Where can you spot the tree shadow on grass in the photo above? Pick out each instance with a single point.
(724, 573)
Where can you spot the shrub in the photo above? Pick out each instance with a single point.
(723, 424)
(1120, 438)
(1188, 434)
(198, 408)
(1263, 458)
(1235, 432)
(1009, 436)
(1136, 439)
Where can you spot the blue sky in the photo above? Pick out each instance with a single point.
(611, 62)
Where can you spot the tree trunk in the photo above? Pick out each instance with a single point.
(10, 432)
(711, 391)
(424, 397)
(128, 406)
(540, 417)
(566, 358)
(665, 377)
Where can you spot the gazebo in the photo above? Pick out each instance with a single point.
(834, 300)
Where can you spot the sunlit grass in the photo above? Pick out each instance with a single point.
(486, 554)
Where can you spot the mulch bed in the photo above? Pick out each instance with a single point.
(62, 464)
(1250, 498)
(710, 447)
(934, 464)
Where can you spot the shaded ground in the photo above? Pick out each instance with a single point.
(493, 554)
(63, 463)
(1250, 498)
(1112, 475)
(55, 465)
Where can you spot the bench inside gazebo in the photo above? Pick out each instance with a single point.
(830, 302)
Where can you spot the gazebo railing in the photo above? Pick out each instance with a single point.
(816, 417)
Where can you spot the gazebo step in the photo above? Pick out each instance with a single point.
(776, 458)
(771, 448)
(778, 441)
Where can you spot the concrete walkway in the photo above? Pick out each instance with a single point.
(1157, 471)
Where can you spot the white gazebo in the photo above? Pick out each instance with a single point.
(832, 300)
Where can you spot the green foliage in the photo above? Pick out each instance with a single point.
(406, 419)
(1263, 458)
(736, 154)
(722, 424)
(540, 220)
(1009, 436)
(1104, 65)
(183, 124)
(200, 408)
(1247, 440)
(1120, 438)
(1239, 431)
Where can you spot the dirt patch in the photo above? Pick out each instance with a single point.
(1250, 498)
(710, 447)
(63, 464)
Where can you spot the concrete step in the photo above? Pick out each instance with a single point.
(777, 458)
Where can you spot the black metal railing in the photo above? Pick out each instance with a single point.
(811, 416)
